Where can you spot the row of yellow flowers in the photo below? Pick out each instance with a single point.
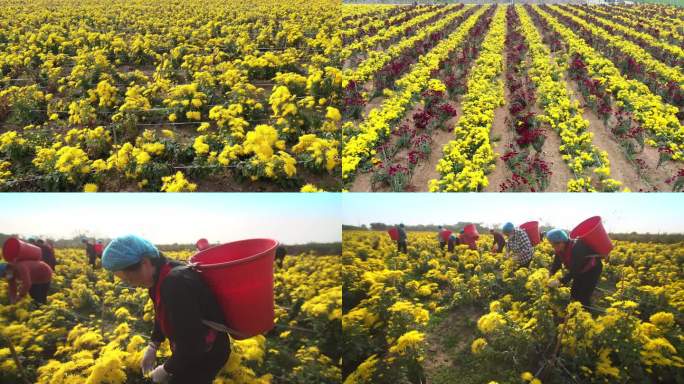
(638, 53)
(367, 45)
(673, 50)
(379, 120)
(656, 117)
(377, 59)
(637, 20)
(379, 20)
(659, 12)
(468, 157)
(563, 115)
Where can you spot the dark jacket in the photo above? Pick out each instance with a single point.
(452, 243)
(187, 301)
(48, 256)
(402, 234)
(90, 251)
(499, 241)
(578, 262)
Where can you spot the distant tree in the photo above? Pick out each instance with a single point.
(378, 226)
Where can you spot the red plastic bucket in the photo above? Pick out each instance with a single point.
(241, 276)
(445, 234)
(467, 240)
(593, 234)
(470, 231)
(16, 250)
(202, 244)
(532, 230)
(393, 234)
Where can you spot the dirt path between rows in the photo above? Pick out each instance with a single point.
(427, 170)
(451, 336)
(500, 137)
(560, 173)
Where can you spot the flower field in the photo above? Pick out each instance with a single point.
(513, 98)
(471, 317)
(170, 95)
(94, 330)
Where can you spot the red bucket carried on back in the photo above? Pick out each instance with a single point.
(593, 234)
(241, 276)
(445, 234)
(18, 250)
(393, 234)
(532, 230)
(202, 244)
(470, 231)
(468, 240)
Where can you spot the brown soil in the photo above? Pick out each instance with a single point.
(372, 104)
(560, 173)
(657, 176)
(362, 183)
(503, 136)
(427, 170)
(456, 324)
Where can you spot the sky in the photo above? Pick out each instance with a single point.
(291, 218)
(620, 212)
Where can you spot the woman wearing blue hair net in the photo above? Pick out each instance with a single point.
(518, 245)
(182, 301)
(583, 264)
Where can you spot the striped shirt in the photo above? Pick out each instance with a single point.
(520, 246)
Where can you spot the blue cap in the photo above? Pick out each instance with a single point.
(125, 251)
(508, 227)
(557, 236)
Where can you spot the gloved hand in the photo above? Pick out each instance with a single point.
(554, 283)
(159, 375)
(149, 358)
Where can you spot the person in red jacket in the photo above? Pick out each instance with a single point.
(441, 237)
(98, 247)
(33, 277)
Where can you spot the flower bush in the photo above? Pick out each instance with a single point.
(94, 329)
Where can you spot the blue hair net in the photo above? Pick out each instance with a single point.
(508, 227)
(125, 251)
(557, 235)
